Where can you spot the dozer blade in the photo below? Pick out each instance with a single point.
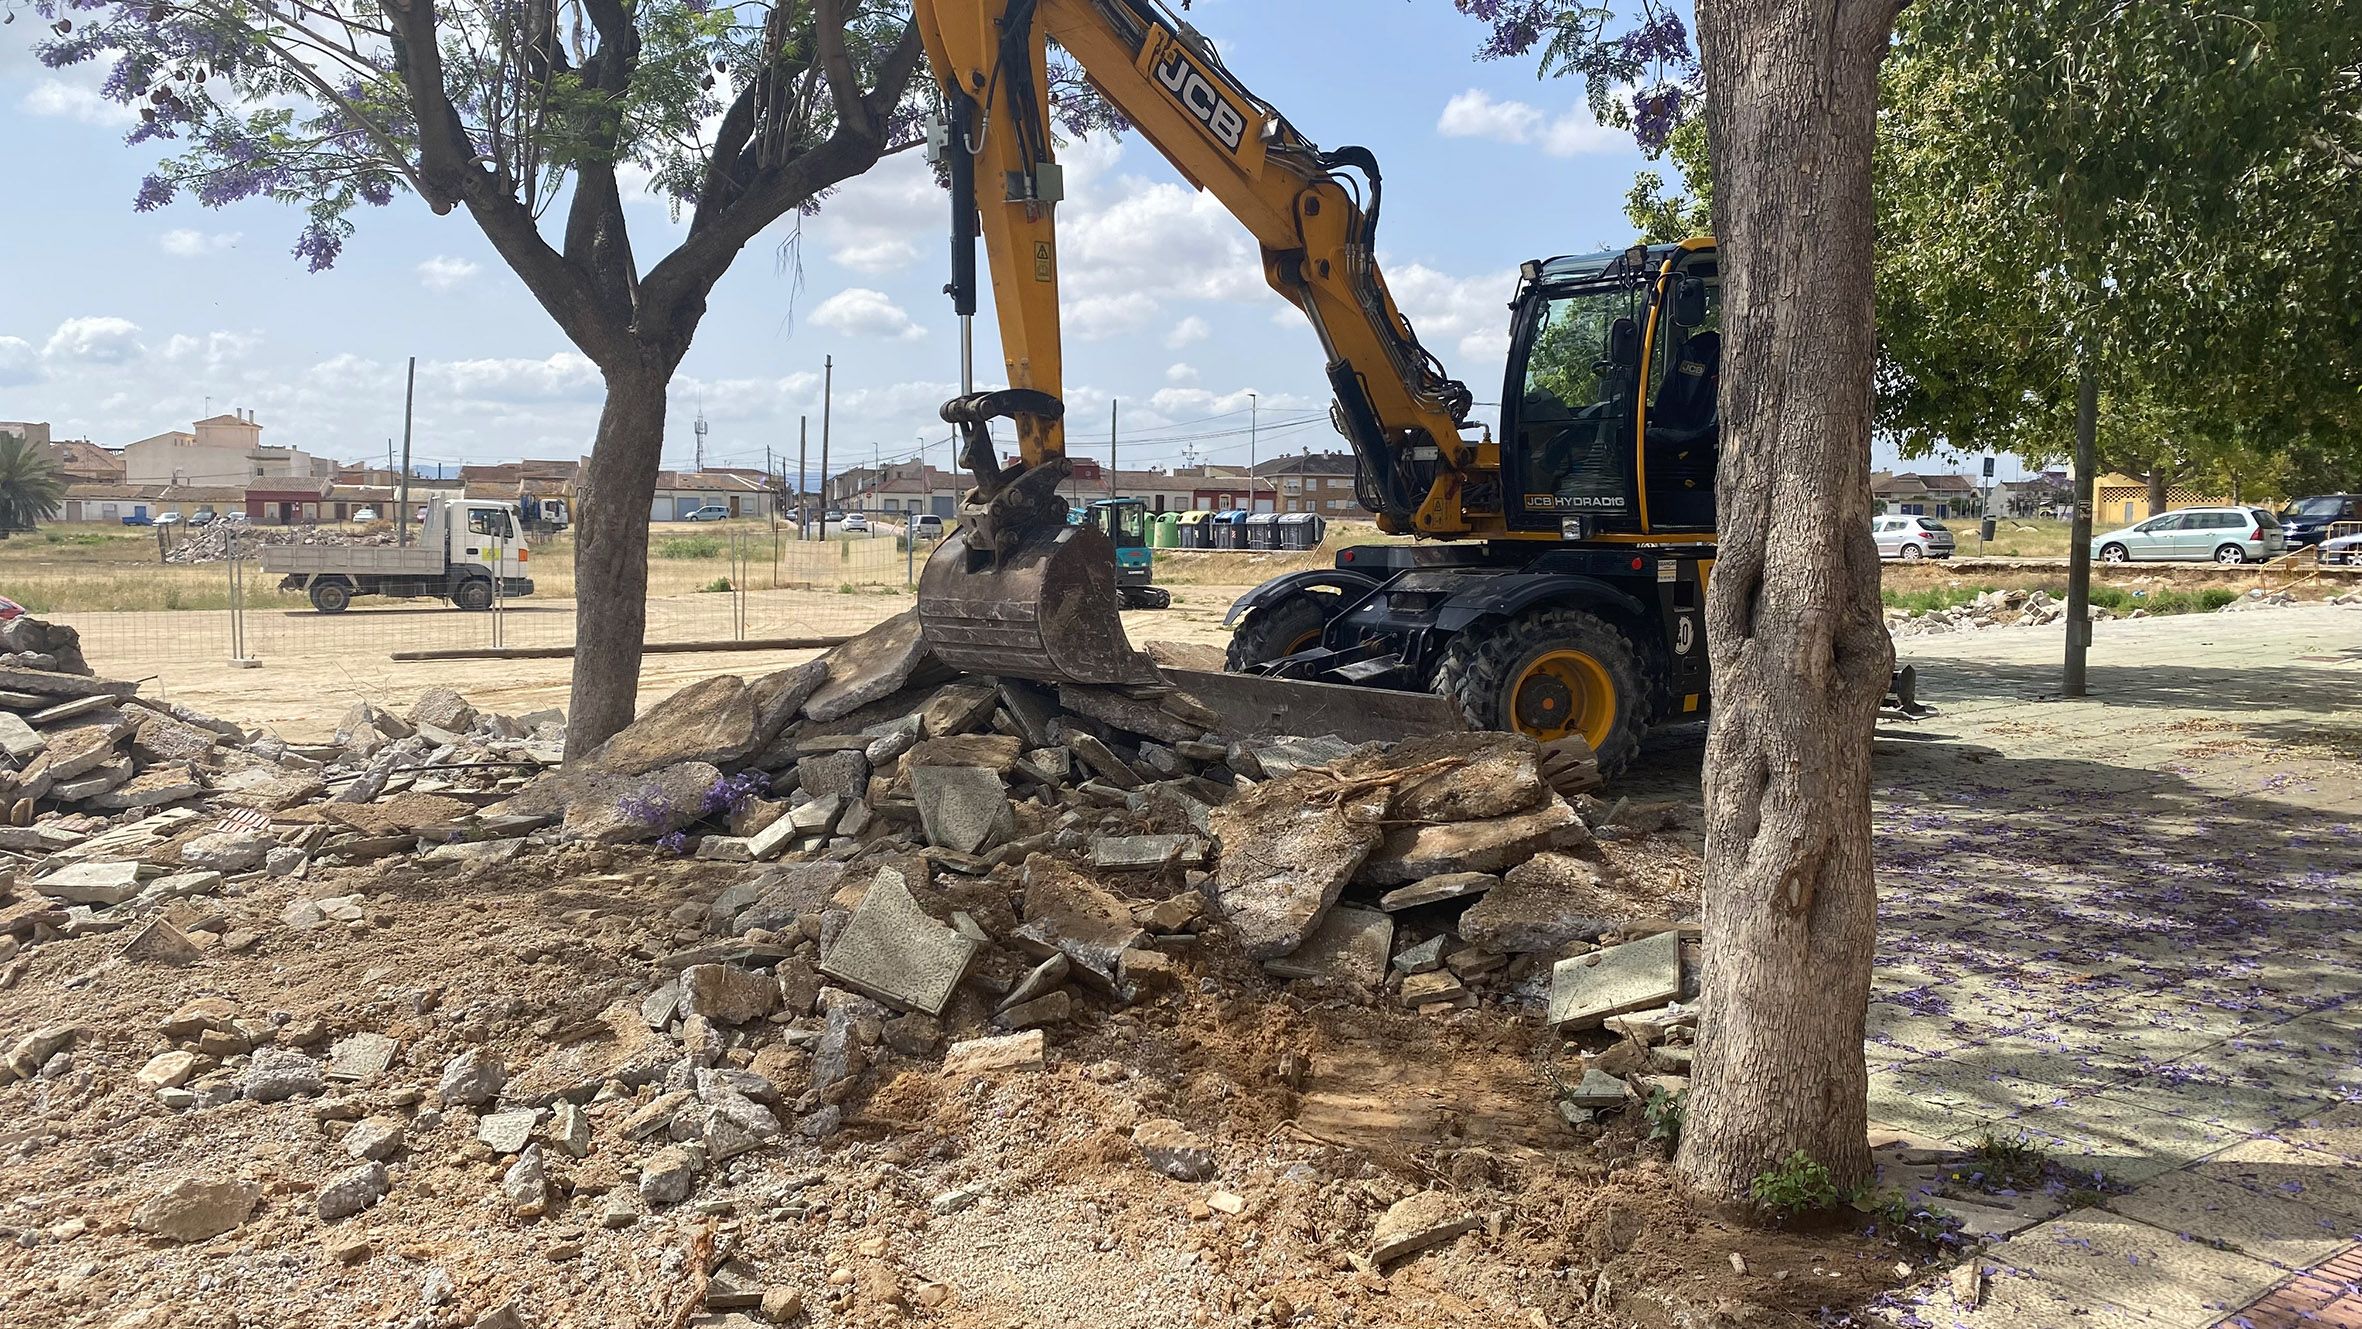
(1259, 706)
(1046, 609)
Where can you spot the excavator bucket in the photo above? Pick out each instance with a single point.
(1043, 608)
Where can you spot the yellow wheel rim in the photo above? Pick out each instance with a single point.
(1562, 693)
(1304, 642)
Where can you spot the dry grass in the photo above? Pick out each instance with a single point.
(83, 567)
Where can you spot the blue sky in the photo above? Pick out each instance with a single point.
(116, 325)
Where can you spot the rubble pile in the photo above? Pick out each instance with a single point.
(897, 867)
(210, 543)
(2010, 608)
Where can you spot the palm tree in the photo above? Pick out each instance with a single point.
(32, 487)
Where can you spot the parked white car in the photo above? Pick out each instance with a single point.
(2344, 551)
(2225, 535)
(856, 524)
(1912, 537)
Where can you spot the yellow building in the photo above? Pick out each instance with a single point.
(2118, 499)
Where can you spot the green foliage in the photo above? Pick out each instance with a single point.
(32, 486)
(2004, 1162)
(1666, 1113)
(1893, 1215)
(77, 539)
(689, 546)
(1797, 1186)
(2159, 602)
(1663, 218)
(718, 586)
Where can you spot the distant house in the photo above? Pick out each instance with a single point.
(35, 432)
(107, 501)
(679, 493)
(85, 462)
(1321, 482)
(222, 450)
(1909, 494)
(2117, 498)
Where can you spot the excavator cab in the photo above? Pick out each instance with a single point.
(1608, 413)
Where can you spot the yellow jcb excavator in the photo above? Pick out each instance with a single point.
(1558, 587)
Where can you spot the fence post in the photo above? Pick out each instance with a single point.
(239, 659)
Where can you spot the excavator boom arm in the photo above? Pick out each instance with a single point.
(1403, 415)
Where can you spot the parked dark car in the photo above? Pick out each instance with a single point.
(2308, 520)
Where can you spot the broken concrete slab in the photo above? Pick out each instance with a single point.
(1173, 1149)
(1350, 946)
(1067, 913)
(995, 752)
(1598, 1089)
(1048, 1009)
(779, 697)
(844, 774)
(50, 683)
(788, 894)
(962, 808)
(111, 774)
(1129, 853)
(1416, 1222)
(444, 709)
(1587, 989)
(712, 720)
(725, 994)
(1493, 775)
(958, 707)
(623, 1050)
(1544, 903)
(1040, 981)
(20, 740)
(1437, 889)
(875, 665)
(161, 738)
(1130, 714)
(1425, 957)
(62, 711)
(162, 943)
(893, 951)
(1288, 849)
(626, 809)
(1495, 844)
(152, 789)
(82, 748)
(91, 883)
(1433, 986)
(1102, 759)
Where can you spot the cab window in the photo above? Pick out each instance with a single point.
(489, 521)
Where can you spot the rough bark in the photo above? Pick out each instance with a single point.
(1800, 657)
(611, 553)
(2160, 490)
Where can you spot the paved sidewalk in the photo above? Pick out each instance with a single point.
(2128, 928)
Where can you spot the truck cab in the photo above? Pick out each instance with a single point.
(471, 552)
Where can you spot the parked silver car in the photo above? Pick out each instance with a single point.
(1912, 537)
(2225, 535)
(2343, 551)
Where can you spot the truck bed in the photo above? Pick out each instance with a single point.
(360, 560)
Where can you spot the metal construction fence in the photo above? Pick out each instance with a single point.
(729, 585)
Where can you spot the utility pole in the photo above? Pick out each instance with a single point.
(402, 509)
(1111, 405)
(803, 445)
(828, 387)
(1254, 422)
(770, 483)
(2087, 415)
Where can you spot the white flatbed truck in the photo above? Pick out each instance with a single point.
(468, 551)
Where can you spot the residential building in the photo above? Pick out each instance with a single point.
(2117, 499)
(222, 450)
(2041, 495)
(85, 462)
(679, 493)
(35, 432)
(1909, 494)
(1321, 482)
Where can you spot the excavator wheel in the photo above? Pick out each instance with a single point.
(1146, 597)
(1549, 674)
(1277, 631)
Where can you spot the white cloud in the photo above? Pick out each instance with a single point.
(1181, 373)
(19, 362)
(883, 220)
(1098, 316)
(97, 340)
(61, 100)
(1189, 330)
(564, 377)
(1475, 114)
(877, 257)
(196, 244)
(215, 350)
(444, 273)
(1464, 320)
(861, 312)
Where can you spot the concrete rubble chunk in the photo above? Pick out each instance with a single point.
(1437, 889)
(1040, 981)
(1008, 1052)
(1416, 1222)
(1103, 760)
(1493, 775)
(91, 883)
(507, 1132)
(622, 1049)
(168, 1070)
(788, 894)
(1544, 903)
(1047, 1009)
(152, 789)
(612, 809)
(1433, 986)
(1424, 957)
(1125, 853)
(193, 1210)
(1350, 946)
(161, 943)
(873, 666)
(276, 1074)
(995, 752)
(712, 720)
(471, 1078)
(375, 1139)
(1172, 1149)
(893, 951)
(1277, 760)
(53, 683)
(1130, 714)
(842, 775)
(228, 851)
(444, 709)
(668, 1175)
(779, 697)
(726, 994)
(20, 740)
(83, 748)
(1412, 853)
(1597, 1089)
(352, 1190)
(958, 707)
(1288, 849)
(160, 738)
(962, 808)
(526, 1184)
(1067, 913)
(1586, 989)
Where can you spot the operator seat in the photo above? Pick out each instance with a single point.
(1682, 444)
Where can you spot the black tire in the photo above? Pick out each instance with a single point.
(1146, 597)
(1277, 631)
(1482, 666)
(1913, 553)
(2229, 554)
(474, 594)
(2115, 554)
(331, 597)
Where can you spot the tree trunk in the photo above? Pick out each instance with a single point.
(611, 553)
(1800, 656)
(2159, 497)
